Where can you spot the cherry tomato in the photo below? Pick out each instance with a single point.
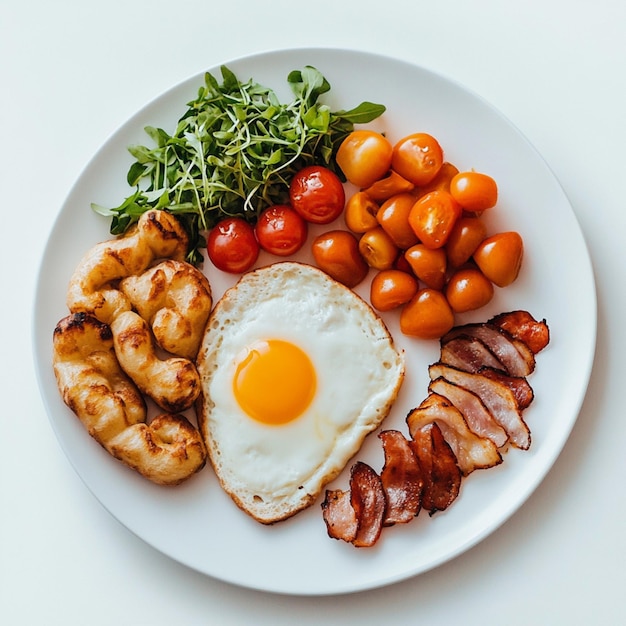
(317, 194)
(446, 173)
(280, 230)
(378, 249)
(417, 157)
(232, 246)
(428, 264)
(468, 289)
(360, 213)
(402, 264)
(474, 191)
(499, 257)
(433, 217)
(393, 216)
(337, 253)
(391, 185)
(427, 315)
(364, 156)
(391, 288)
(467, 233)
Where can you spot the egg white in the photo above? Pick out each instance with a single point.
(357, 371)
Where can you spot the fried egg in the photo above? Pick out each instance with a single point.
(296, 370)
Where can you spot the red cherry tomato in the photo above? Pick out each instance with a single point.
(232, 246)
(317, 194)
(280, 230)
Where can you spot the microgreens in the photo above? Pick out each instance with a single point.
(233, 152)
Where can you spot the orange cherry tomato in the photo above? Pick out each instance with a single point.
(378, 249)
(360, 212)
(389, 186)
(417, 157)
(499, 257)
(442, 181)
(364, 156)
(474, 191)
(467, 233)
(427, 315)
(337, 253)
(392, 288)
(393, 216)
(428, 264)
(468, 289)
(433, 217)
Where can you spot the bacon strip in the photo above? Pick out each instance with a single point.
(478, 418)
(498, 399)
(476, 395)
(468, 353)
(471, 451)
(523, 326)
(442, 476)
(401, 477)
(367, 497)
(339, 515)
(522, 391)
(514, 355)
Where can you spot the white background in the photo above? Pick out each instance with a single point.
(71, 72)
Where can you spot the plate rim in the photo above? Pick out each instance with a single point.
(36, 332)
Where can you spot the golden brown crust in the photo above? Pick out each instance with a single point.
(90, 380)
(175, 299)
(167, 451)
(92, 288)
(92, 384)
(172, 383)
(104, 355)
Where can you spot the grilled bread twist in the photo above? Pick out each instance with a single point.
(167, 450)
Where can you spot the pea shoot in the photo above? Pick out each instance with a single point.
(234, 152)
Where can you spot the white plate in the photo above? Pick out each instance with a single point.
(196, 524)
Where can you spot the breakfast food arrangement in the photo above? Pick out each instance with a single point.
(276, 384)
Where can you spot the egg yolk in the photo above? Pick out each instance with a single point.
(274, 381)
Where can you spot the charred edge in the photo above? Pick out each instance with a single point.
(155, 220)
(82, 321)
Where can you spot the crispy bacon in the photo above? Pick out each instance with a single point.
(477, 393)
(471, 451)
(468, 353)
(401, 477)
(523, 326)
(478, 418)
(514, 356)
(522, 391)
(356, 515)
(367, 497)
(339, 515)
(496, 397)
(442, 476)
